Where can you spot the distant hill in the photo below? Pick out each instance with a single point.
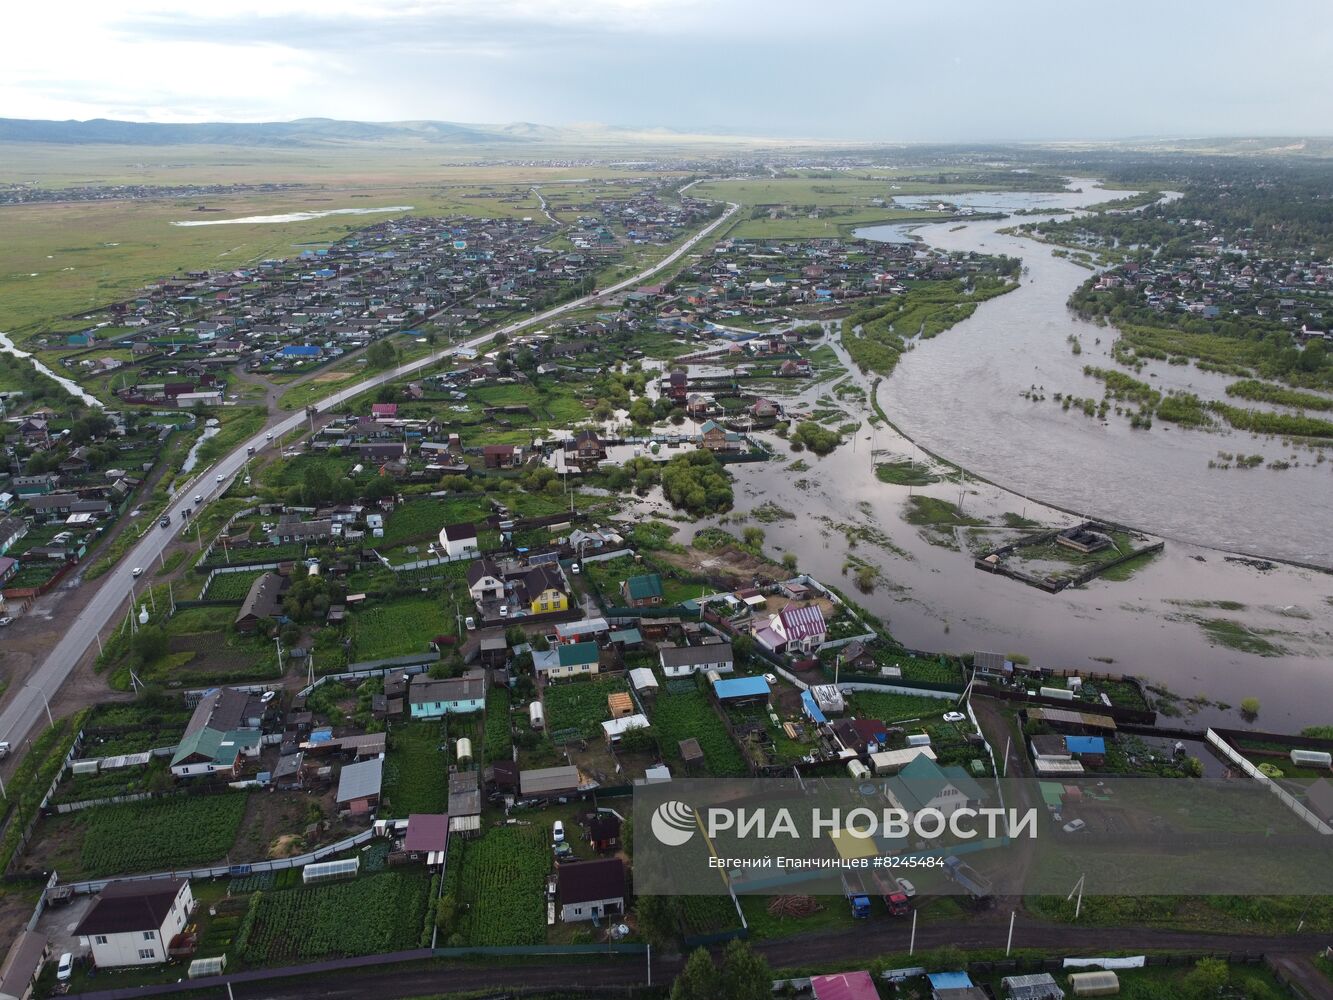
(302, 132)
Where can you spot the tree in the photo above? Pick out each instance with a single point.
(753, 537)
(745, 975)
(656, 917)
(789, 561)
(380, 354)
(699, 980)
(150, 643)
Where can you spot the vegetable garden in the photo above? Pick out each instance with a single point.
(580, 705)
(405, 626)
(679, 716)
(176, 832)
(370, 915)
(502, 886)
(415, 770)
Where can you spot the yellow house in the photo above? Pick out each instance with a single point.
(546, 590)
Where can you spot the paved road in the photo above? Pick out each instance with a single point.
(111, 601)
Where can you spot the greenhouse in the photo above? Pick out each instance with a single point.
(328, 871)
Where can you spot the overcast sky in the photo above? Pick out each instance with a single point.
(945, 70)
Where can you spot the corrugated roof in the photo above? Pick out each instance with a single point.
(360, 780)
(427, 832)
(844, 986)
(802, 623)
(741, 687)
(544, 780)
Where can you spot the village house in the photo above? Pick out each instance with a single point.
(590, 890)
(224, 730)
(571, 660)
(682, 661)
(458, 540)
(545, 589)
(135, 922)
(433, 699)
(502, 456)
(262, 603)
(793, 629)
(642, 591)
(484, 581)
(717, 438)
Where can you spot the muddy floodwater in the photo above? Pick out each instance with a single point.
(958, 394)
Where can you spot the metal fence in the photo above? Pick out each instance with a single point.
(1233, 757)
(217, 871)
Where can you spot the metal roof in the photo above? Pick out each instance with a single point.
(741, 687)
(360, 780)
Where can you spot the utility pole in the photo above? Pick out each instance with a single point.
(1005, 773)
(1008, 945)
(47, 705)
(911, 947)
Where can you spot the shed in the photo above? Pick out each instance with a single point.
(740, 690)
(619, 704)
(359, 785)
(428, 834)
(893, 761)
(811, 709)
(1033, 986)
(1098, 983)
(644, 680)
(1319, 798)
(545, 781)
(691, 752)
(535, 718)
(614, 729)
(23, 963)
(844, 986)
(1094, 746)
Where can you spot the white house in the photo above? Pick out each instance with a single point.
(682, 661)
(133, 923)
(484, 581)
(587, 890)
(793, 629)
(459, 540)
(613, 729)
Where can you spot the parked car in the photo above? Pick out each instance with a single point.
(954, 717)
(7, 620)
(906, 888)
(771, 679)
(1074, 826)
(504, 610)
(470, 622)
(558, 832)
(137, 571)
(65, 969)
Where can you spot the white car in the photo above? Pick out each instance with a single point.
(954, 717)
(1074, 826)
(558, 832)
(470, 622)
(198, 498)
(221, 477)
(6, 621)
(65, 969)
(771, 679)
(137, 571)
(906, 888)
(268, 436)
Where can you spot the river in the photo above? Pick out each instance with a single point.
(70, 386)
(958, 394)
(293, 216)
(1158, 479)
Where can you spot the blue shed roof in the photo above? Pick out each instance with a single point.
(812, 708)
(949, 980)
(1085, 744)
(741, 687)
